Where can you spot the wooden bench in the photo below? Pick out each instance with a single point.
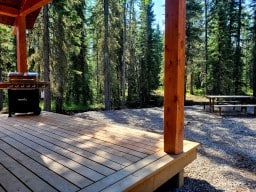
(227, 102)
(220, 103)
(243, 107)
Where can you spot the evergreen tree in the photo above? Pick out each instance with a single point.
(228, 26)
(118, 53)
(194, 49)
(132, 69)
(59, 55)
(206, 10)
(254, 45)
(238, 64)
(46, 59)
(123, 85)
(79, 91)
(116, 47)
(7, 56)
(96, 22)
(220, 50)
(106, 57)
(149, 66)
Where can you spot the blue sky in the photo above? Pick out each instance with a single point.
(159, 10)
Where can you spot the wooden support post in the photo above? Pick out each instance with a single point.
(21, 44)
(175, 11)
(178, 180)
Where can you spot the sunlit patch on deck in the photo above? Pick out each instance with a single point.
(53, 152)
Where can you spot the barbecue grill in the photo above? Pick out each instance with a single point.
(23, 92)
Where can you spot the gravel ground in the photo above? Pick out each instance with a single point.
(226, 158)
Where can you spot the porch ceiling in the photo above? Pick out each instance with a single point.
(10, 10)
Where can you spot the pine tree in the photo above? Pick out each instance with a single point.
(96, 21)
(149, 66)
(254, 46)
(106, 57)
(132, 69)
(59, 55)
(117, 46)
(220, 50)
(227, 36)
(79, 91)
(238, 64)
(123, 85)
(46, 58)
(194, 41)
(7, 56)
(116, 52)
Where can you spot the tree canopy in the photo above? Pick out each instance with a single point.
(109, 54)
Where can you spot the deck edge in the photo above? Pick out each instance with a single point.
(168, 171)
(152, 176)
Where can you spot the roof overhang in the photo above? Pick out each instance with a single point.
(11, 9)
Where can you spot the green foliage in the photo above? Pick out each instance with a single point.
(225, 65)
(253, 5)
(198, 92)
(149, 53)
(194, 51)
(7, 49)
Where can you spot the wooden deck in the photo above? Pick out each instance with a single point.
(53, 152)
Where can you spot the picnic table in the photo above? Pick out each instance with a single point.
(221, 101)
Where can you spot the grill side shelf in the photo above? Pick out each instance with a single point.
(7, 85)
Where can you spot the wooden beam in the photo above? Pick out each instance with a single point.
(29, 8)
(26, 8)
(153, 174)
(175, 12)
(8, 11)
(21, 44)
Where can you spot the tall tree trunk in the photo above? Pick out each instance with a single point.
(61, 63)
(60, 66)
(238, 60)
(124, 57)
(1, 91)
(106, 59)
(46, 56)
(132, 79)
(254, 50)
(206, 44)
(98, 73)
(191, 83)
(254, 69)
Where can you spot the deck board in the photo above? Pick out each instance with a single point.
(62, 153)
(45, 140)
(10, 182)
(103, 132)
(112, 179)
(41, 171)
(93, 135)
(53, 156)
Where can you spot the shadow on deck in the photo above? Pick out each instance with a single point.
(53, 152)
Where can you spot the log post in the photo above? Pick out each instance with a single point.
(21, 44)
(175, 18)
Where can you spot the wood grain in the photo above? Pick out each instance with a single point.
(64, 153)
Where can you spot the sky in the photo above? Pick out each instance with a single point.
(159, 10)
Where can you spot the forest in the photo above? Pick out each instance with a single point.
(106, 54)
